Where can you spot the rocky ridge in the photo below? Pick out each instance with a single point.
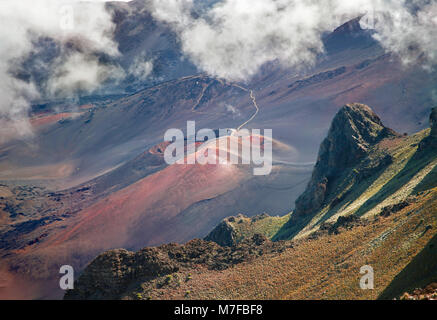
(365, 155)
(353, 132)
(114, 271)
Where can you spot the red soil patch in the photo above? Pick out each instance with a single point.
(44, 120)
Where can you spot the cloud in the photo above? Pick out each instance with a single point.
(80, 73)
(81, 34)
(232, 109)
(407, 28)
(234, 38)
(174, 12)
(60, 48)
(141, 68)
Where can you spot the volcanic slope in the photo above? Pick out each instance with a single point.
(380, 213)
(77, 163)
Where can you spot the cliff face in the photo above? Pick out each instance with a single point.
(354, 130)
(223, 234)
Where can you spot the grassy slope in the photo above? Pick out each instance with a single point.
(410, 172)
(245, 227)
(327, 266)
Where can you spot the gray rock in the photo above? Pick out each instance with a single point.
(354, 130)
(223, 234)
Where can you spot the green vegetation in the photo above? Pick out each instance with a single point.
(375, 183)
(379, 210)
(400, 247)
(263, 224)
(168, 279)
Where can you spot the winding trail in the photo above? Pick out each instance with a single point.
(255, 104)
(252, 96)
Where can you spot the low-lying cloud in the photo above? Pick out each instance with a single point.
(70, 45)
(80, 34)
(234, 38)
(408, 28)
(141, 68)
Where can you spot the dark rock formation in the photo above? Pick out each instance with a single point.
(354, 130)
(350, 33)
(427, 293)
(394, 208)
(352, 26)
(346, 222)
(223, 234)
(232, 230)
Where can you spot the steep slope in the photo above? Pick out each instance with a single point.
(96, 158)
(419, 273)
(354, 130)
(384, 220)
(325, 266)
(433, 122)
(382, 173)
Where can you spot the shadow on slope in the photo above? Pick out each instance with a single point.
(422, 158)
(342, 191)
(420, 272)
(429, 182)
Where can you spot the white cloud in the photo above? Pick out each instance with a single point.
(231, 39)
(411, 35)
(175, 12)
(232, 109)
(141, 68)
(81, 29)
(235, 37)
(80, 73)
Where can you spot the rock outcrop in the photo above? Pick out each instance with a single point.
(114, 271)
(233, 230)
(354, 130)
(427, 293)
(223, 234)
(350, 27)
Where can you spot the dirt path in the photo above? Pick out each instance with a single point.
(253, 98)
(251, 94)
